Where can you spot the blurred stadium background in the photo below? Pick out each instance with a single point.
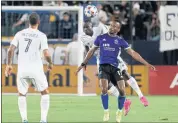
(141, 27)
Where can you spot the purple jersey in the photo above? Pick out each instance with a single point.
(110, 48)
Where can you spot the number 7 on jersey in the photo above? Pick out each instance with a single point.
(28, 45)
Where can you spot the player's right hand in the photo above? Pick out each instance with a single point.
(50, 66)
(8, 70)
(151, 67)
(79, 68)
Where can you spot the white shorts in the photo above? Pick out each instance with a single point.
(122, 66)
(25, 79)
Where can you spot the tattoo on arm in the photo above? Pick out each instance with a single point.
(10, 54)
(48, 59)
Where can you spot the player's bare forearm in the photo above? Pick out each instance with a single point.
(137, 56)
(89, 54)
(10, 54)
(87, 49)
(48, 59)
(9, 60)
(47, 56)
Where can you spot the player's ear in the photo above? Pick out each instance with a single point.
(38, 22)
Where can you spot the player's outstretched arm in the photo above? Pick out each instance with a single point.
(9, 59)
(86, 59)
(48, 58)
(137, 57)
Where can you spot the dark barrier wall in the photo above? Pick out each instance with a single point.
(149, 50)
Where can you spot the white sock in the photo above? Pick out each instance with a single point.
(133, 83)
(22, 103)
(44, 107)
(113, 91)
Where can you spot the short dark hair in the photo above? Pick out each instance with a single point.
(66, 13)
(34, 18)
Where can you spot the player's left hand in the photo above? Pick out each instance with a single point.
(8, 70)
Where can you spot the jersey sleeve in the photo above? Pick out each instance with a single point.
(24, 17)
(15, 40)
(44, 43)
(97, 42)
(124, 44)
(87, 40)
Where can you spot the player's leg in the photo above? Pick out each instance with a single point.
(41, 85)
(22, 87)
(119, 83)
(45, 101)
(121, 99)
(104, 98)
(133, 83)
(103, 79)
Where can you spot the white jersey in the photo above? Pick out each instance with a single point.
(30, 42)
(99, 30)
(87, 40)
(122, 66)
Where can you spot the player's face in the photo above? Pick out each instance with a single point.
(88, 29)
(114, 28)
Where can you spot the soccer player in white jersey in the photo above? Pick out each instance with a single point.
(30, 42)
(88, 39)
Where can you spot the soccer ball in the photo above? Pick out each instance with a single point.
(90, 11)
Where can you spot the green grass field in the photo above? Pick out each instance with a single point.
(89, 109)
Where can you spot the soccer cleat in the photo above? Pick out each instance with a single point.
(106, 116)
(24, 121)
(109, 92)
(42, 121)
(118, 116)
(127, 104)
(144, 101)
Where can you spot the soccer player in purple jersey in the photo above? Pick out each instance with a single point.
(110, 44)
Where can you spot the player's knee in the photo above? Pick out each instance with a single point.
(46, 91)
(20, 94)
(104, 90)
(125, 75)
(122, 92)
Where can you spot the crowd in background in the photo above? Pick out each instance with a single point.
(63, 25)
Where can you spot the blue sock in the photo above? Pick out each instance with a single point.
(121, 100)
(105, 98)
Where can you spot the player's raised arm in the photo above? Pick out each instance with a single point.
(138, 57)
(89, 54)
(10, 54)
(44, 47)
(135, 55)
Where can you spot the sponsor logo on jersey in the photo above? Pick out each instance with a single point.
(104, 39)
(116, 41)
